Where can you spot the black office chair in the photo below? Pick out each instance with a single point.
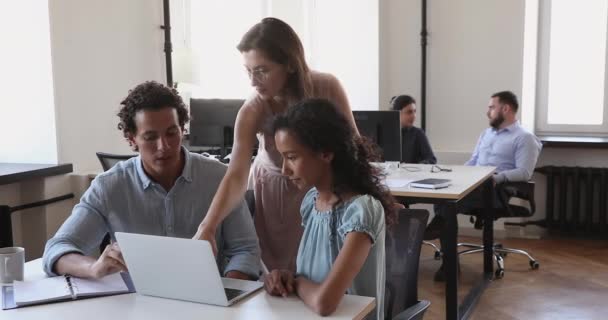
(107, 161)
(505, 192)
(437, 251)
(6, 221)
(403, 242)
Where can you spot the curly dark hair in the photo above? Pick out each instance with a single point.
(318, 125)
(150, 95)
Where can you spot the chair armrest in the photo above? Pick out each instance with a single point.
(522, 189)
(414, 312)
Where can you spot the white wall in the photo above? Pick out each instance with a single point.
(400, 25)
(475, 49)
(27, 116)
(100, 50)
(348, 47)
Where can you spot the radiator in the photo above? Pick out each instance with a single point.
(576, 200)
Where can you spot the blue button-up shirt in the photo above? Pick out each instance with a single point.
(125, 199)
(512, 150)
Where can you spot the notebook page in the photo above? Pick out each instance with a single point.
(40, 291)
(110, 284)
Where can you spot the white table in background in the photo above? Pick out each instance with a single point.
(259, 305)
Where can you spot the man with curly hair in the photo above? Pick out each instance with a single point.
(164, 191)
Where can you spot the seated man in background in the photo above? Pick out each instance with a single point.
(504, 145)
(415, 147)
(165, 191)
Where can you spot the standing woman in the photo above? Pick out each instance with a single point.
(274, 59)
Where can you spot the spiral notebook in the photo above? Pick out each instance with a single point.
(63, 288)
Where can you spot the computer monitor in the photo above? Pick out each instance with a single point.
(212, 122)
(384, 129)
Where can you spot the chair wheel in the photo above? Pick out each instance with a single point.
(499, 273)
(437, 255)
(534, 265)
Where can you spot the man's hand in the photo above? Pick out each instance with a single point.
(279, 283)
(110, 261)
(206, 233)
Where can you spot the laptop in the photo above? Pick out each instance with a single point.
(181, 269)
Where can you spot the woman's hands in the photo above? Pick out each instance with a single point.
(206, 233)
(280, 283)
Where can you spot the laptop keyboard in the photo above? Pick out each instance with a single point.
(232, 293)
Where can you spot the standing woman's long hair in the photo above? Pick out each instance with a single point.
(280, 43)
(318, 125)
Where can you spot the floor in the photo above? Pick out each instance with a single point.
(571, 283)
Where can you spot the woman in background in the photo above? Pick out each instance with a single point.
(415, 147)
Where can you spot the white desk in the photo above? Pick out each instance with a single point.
(133, 306)
(464, 180)
(19, 172)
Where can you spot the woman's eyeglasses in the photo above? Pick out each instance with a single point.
(259, 75)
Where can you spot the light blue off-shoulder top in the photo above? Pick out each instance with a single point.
(324, 235)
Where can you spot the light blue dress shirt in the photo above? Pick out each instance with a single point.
(323, 238)
(125, 199)
(512, 150)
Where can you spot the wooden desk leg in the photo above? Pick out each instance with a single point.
(450, 261)
(488, 227)
(6, 227)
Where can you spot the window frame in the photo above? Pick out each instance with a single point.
(542, 86)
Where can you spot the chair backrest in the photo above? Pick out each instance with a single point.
(523, 190)
(108, 160)
(403, 242)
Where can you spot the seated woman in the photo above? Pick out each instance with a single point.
(415, 147)
(343, 215)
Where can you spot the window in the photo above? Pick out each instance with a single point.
(572, 67)
(205, 34)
